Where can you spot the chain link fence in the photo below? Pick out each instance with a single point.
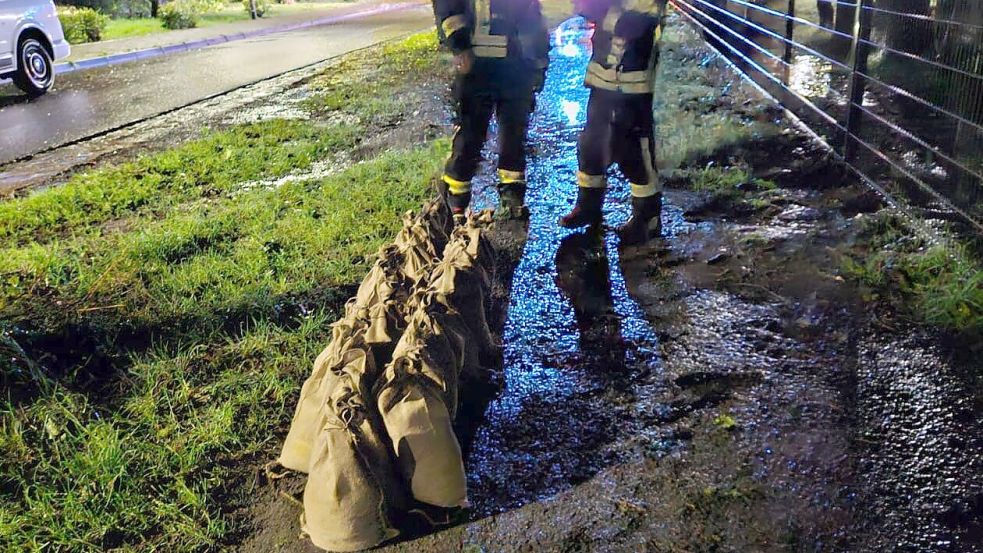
(894, 87)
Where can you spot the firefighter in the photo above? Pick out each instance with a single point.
(501, 50)
(620, 126)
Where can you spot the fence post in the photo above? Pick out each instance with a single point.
(860, 52)
(789, 48)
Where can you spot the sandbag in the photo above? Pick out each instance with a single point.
(427, 452)
(346, 335)
(461, 286)
(442, 332)
(468, 240)
(385, 281)
(352, 488)
(437, 217)
(419, 244)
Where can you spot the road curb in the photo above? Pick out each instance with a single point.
(146, 53)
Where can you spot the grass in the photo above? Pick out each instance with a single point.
(938, 284)
(725, 183)
(138, 26)
(206, 295)
(210, 167)
(370, 97)
(688, 89)
(142, 26)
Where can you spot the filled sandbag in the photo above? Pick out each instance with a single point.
(346, 335)
(419, 244)
(470, 241)
(461, 285)
(442, 333)
(386, 281)
(353, 488)
(437, 217)
(418, 423)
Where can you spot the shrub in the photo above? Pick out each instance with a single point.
(82, 24)
(262, 6)
(180, 14)
(113, 8)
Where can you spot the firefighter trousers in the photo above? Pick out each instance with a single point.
(620, 129)
(478, 98)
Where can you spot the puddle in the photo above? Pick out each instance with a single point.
(570, 330)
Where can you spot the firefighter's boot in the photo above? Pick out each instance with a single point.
(587, 211)
(458, 203)
(511, 202)
(645, 222)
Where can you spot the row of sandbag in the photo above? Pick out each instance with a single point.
(373, 425)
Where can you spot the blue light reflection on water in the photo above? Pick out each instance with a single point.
(542, 344)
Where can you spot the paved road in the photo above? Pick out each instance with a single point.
(88, 102)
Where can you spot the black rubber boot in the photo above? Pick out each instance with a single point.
(645, 222)
(459, 206)
(511, 202)
(587, 211)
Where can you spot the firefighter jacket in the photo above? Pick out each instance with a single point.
(501, 29)
(626, 43)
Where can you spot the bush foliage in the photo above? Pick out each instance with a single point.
(113, 8)
(180, 14)
(82, 24)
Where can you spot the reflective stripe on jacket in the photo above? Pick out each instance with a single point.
(626, 45)
(494, 28)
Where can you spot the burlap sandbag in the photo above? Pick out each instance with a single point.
(346, 335)
(419, 244)
(462, 286)
(432, 319)
(386, 281)
(470, 241)
(353, 486)
(435, 351)
(427, 452)
(439, 222)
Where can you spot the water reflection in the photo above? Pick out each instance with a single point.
(533, 442)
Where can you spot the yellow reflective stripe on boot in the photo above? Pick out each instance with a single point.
(644, 190)
(455, 186)
(591, 181)
(506, 176)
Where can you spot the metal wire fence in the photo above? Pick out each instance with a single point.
(894, 87)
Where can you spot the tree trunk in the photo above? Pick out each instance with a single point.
(154, 7)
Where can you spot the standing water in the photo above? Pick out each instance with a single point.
(571, 331)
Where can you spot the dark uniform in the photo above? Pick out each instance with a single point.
(510, 45)
(620, 127)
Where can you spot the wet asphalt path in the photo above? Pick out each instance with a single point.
(85, 103)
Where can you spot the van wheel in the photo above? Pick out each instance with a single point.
(35, 71)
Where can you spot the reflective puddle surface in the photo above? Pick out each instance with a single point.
(571, 326)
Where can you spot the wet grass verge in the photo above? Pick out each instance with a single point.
(940, 284)
(157, 318)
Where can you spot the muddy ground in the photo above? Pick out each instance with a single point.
(722, 389)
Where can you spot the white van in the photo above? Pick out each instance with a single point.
(31, 40)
